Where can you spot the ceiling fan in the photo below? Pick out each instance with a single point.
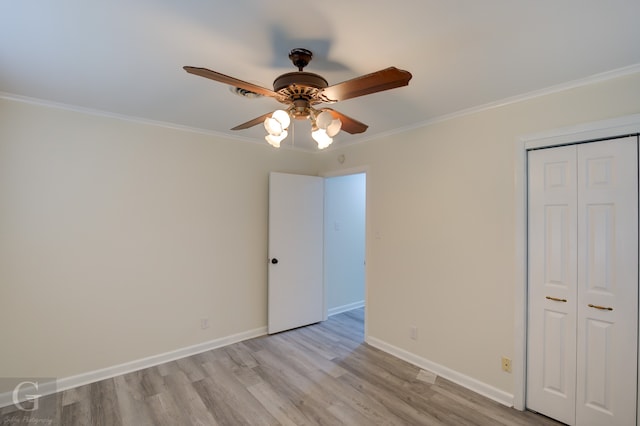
(301, 91)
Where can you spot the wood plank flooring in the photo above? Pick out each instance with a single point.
(318, 375)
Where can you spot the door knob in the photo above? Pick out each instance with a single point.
(274, 261)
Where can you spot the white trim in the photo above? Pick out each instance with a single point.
(621, 126)
(604, 129)
(139, 364)
(140, 120)
(124, 117)
(520, 265)
(345, 308)
(346, 172)
(449, 374)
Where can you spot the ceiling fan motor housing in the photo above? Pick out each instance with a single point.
(302, 79)
(300, 89)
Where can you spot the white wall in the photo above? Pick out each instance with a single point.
(117, 237)
(345, 199)
(441, 226)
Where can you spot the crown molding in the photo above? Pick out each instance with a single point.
(596, 78)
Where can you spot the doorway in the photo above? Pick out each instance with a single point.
(344, 242)
(317, 254)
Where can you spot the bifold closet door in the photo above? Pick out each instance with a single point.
(607, 282)
(583, 282)
(551, 337)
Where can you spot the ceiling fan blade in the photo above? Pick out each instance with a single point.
(253, 122)
(349, 125)
(388, 78)
(216, 76)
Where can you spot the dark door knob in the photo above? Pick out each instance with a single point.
(274, 260)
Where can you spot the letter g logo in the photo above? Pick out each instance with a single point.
(28, 397)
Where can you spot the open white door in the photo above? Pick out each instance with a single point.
(296, 231)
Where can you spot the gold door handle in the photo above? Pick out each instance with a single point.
(602, 308)
(555, 299)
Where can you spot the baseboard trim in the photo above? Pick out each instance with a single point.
(66, 383)
(6, 398)
(344, 308)
(461, 379)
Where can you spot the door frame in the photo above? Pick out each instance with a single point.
(347, 172)
(605, 129)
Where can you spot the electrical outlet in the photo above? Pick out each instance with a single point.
(204, 323)
(413, 332)
(506, 364)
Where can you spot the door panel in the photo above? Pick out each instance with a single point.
(557, 247)
(608, 278)
(597, 392)
(555, 353)
(296, 232)
(599, 248)
(551, 336)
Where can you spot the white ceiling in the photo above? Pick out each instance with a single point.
(125, 57)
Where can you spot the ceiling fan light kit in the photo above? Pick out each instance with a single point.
(301, 90)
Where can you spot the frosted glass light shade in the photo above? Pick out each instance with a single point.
(321, 137)
(282, 117)
(334, 127)
(324, 119)
(277, 123)
(274, 140)
(273, 126)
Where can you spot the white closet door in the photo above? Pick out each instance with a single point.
(607, 282)
(551, 347)
(583, 282)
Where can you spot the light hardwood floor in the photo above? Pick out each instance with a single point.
(318, 375)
